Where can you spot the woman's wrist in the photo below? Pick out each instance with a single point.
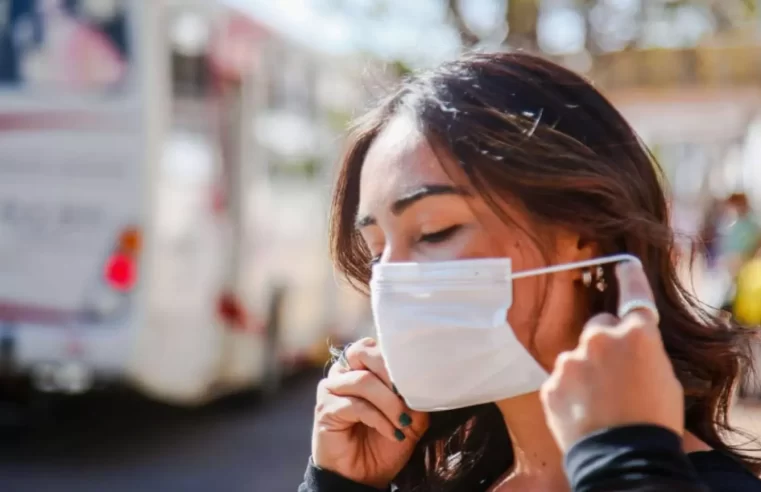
(324, 480)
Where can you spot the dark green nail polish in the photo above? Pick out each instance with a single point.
(399, 435)
(405, 420)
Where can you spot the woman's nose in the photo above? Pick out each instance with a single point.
(395, 254)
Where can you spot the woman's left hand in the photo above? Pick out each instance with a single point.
(619, 374)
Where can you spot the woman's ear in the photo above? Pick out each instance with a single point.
(573, 247)
(585, 249)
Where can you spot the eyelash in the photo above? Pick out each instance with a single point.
(439, 236)
(432, 238)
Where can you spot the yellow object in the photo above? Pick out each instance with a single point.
(747, 306)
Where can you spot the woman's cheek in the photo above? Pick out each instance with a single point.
(523, 314)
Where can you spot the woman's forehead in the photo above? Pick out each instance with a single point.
(400, 159)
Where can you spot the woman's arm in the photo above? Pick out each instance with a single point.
(319, 480)
(632, 458)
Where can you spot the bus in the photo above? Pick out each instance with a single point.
(164, 182)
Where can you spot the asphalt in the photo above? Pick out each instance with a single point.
(118, 442)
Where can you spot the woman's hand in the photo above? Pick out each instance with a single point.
(619, 374)
(362, 429)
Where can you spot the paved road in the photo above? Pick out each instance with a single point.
(118, 443)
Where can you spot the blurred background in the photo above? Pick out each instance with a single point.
(166, 299)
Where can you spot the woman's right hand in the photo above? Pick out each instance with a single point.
(363, 430)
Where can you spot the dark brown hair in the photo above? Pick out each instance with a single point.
(520, 126)
(739, 200)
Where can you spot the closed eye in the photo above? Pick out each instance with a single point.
(440, 236)
(431, 238)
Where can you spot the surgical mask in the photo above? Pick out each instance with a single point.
(443, 330)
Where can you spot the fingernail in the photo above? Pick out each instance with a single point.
(405, 420)
(399, 435)
(393, 388)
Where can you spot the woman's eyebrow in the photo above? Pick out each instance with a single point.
(425, 191)
(411, 198)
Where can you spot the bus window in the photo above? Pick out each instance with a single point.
(94, 52)
(190, 33)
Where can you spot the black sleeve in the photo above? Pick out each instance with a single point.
(319, 480)
(639, 458)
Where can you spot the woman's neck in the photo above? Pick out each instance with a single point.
(536, 454)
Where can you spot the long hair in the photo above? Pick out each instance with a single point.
(522, 127)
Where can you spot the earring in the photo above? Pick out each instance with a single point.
(601, 283)
(586, 277)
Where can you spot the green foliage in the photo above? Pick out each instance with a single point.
(337, 120)
(305, 168)
(400, 69)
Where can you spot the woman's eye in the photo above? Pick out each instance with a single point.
(439, 236)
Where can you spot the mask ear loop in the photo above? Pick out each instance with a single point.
(604, 260)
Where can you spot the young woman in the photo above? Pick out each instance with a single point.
(454, 194)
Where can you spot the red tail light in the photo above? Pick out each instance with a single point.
(121, 272)
(230, 311)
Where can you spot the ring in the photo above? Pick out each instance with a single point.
(635, 304)
(342, 357)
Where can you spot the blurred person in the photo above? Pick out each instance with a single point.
(68, 54)
(740, 235)
(453, 195)
(739, 241)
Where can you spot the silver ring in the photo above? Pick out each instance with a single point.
(635, 304)
(342, 359)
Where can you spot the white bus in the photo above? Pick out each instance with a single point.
(151, 233)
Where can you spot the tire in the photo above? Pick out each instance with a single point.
(273, 369)
(273, 374)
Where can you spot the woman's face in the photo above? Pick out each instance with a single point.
(412, 209)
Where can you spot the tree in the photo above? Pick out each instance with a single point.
(604, 26)
(522, 19)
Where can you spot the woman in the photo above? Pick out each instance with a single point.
(499, 156)
(741, 234)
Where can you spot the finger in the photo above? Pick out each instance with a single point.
(368, 356)
(342, 362)
(366, 385)
(596, 329)
(636, 304)
(345, 411)
(566, 375)
(602, 320)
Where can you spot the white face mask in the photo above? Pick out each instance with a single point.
(443, 330)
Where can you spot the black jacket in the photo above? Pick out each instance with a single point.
(635, 458)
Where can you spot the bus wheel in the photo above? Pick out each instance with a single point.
(273, 367)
